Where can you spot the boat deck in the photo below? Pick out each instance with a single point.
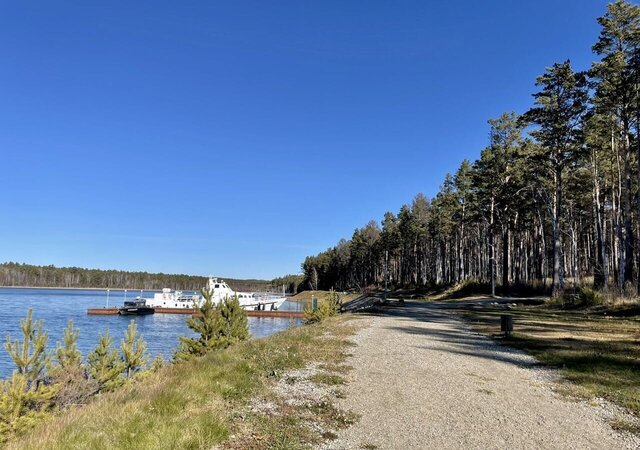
(190, 311)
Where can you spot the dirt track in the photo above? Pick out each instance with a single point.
(423, 380)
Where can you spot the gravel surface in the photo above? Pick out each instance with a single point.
(423, 380)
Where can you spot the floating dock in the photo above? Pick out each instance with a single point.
(190, 311)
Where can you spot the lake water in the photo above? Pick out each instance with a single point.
(57, 306)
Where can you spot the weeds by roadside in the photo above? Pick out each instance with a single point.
(207, 401)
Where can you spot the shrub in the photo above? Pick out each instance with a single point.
(133, 349)
(555, 301)
(67, 353)
(329, 307)
(23, 403)
(25, 398)
(105, 365)
(74, 387)
(30, 355)
(470, 286)
(235, 324)
(589, 297)
(629, 290)
(157, 364)
(69, 374)
(219, 326)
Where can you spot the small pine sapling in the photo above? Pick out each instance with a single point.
(67, 354)
(235, 322)
(23, 404)
(105, 365)
(133, 349)
(69, 374)
(24, 398)
(30, 355)
(219, 326)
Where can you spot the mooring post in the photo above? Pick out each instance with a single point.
(506, 324)
(314, 303)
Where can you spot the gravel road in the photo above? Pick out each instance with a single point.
(423, 380)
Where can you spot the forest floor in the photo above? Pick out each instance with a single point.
(424, 378)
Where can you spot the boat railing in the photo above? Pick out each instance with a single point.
(267, 295)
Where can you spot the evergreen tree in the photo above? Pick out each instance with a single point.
(235, 324)
(23, 403)
(67, 354)
(133, 349)
(207, 323)
(218, 325)
(105, 365)
(30, 355)
(68, 374)
(559, 114)
(157, 363)
(560, 202)
(616, 81)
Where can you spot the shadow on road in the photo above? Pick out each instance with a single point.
(439, 324)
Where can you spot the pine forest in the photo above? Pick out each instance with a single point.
(551, 202)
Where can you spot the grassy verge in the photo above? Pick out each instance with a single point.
(600, 355)
(211, 401)
(306, 296)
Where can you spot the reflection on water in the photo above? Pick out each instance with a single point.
(57, 306)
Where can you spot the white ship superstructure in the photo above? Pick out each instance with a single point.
(221, 290)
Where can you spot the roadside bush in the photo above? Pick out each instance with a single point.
(555, 301)
(74, 387)
(40, 385)
(69, 374)
(133, 348)
(219, 326)
(24, 398)
(589, 297)
(329, 307)
(157, 364)
(578, 297)
(105, 365)
(468, 287)
(629, 290)
(23, 404)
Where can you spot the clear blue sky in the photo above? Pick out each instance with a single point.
(235, 138)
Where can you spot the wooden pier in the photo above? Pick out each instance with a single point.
(190, 311)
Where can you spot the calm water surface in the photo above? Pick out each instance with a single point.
(57, 306)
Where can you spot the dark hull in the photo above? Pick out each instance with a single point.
(136, 311)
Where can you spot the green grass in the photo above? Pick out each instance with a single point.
(622, 425)
(599, 355)
(204, 403)
(328, 379)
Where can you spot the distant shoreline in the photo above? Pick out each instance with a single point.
(76, 288)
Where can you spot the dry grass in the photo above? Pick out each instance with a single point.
(305, 296)
(202, 403)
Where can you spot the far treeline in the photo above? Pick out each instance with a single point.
(14, 274)
(553, 196)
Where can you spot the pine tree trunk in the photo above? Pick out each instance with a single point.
(505, 259)
(600, 269)
(558, 275)
(492, 251)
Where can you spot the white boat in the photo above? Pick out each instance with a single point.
(221, 290)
